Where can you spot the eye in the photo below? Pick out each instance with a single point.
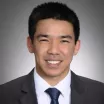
(43, 40)
(65, 41)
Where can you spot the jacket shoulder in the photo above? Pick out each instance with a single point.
(91, 82)
(94, 89)
(11, 90)
(90, 91)
(91, 86)
(13, 83)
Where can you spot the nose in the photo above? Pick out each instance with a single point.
(53, 48)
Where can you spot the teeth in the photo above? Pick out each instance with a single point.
(53, 62)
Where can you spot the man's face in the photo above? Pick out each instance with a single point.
(54, 47)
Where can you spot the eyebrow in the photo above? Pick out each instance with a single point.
(42, 35)
(66, 36)
(46, 36)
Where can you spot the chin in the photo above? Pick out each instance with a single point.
(53, 74)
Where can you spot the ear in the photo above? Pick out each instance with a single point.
(77, 47)
(30, 45)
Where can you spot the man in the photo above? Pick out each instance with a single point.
(54, 40)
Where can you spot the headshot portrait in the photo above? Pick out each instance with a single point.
(59, 61)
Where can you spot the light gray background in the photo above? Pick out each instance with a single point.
(15, 60)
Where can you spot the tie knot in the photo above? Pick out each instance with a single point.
(53, 92)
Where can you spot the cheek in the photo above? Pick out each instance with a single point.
(67, 51)
(40, 50)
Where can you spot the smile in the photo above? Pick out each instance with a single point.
(53, 62)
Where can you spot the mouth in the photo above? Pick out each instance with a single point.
(53, 63)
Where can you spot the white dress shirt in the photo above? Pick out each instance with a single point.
(63, 86)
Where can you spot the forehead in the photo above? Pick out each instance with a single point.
(54, 27)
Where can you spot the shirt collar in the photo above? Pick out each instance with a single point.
(63, 86)
(40, 84)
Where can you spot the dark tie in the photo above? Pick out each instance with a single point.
(54, 95)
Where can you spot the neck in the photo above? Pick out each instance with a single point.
(53, 80)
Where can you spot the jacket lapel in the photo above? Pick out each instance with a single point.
(77, 89)
(28, 94)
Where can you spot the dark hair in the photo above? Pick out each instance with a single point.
(53, 10)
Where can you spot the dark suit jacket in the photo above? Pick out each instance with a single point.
(22, 91)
